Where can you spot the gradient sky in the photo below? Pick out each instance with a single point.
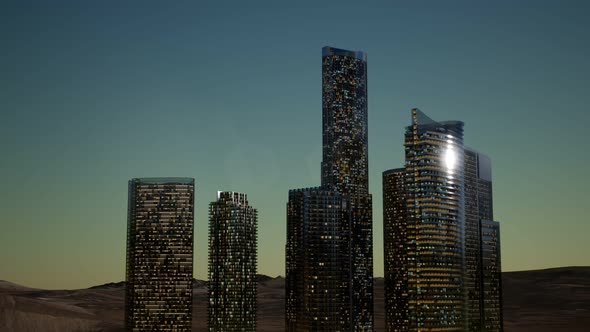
(95, 93)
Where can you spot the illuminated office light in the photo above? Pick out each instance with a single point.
(159, 271)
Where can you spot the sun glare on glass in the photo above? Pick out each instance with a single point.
(450, 158)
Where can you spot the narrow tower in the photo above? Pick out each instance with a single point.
(483, 279)
(344, 226)
(232, 263)
(395, 245)
(345, 168)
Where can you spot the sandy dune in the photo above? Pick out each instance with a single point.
(542, 300)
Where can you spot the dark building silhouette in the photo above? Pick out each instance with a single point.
(395, 243)
(483, 280)
(472, 243)
(159, 273)
(316, 279)
(492, 319)
(345, 174)
(232, 264)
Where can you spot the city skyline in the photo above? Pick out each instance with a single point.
(70, 126)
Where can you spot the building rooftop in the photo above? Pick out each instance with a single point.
(164, 180)
(327, 50)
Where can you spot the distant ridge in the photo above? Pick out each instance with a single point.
(578, 271)
(197, 283)
(554, 269)
(119, 284)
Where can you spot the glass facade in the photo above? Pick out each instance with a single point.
(345, 167)
(317, 278)
(232, 264)
(472, 243)
(344, 121)
(442, 247)
(483, 280)
(344, 178)
(485, 264)
(159, 271)
(493, 320)
(434, 181)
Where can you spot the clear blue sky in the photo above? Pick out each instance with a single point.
(95, 93)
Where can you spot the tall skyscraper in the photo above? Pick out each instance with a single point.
(442, 247)
(472, 244)
(159, 293)
(345, 161)
(232, 263)
(483, 280)
(431, 240)
(434, 164)
(344, 175)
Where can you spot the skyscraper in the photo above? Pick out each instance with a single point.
(345, 162)
(316, 279)
(434, 164)
(344, 178)
(159, 273)
(483, 280)
(345, 168)
(427, 234)
(472, 243)
(442, 247)
(395, 245)
(232, 263)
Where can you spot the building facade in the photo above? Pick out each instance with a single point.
(159, 271)
(492, 318)
(395, 245)
(316, 280)
(344, 174)
(434, 164)
(473, 266)
(232, 264)
(483, 277)
(345, 168)
(424, 230)
(442, 247)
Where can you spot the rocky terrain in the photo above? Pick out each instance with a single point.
(540, 300)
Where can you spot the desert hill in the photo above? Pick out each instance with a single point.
(540, 300)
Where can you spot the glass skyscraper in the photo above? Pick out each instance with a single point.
(442, 247)
(483, 279)
(317, 281)
(427, 234)
(232, 264)
(159, 272)
(344, 174)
